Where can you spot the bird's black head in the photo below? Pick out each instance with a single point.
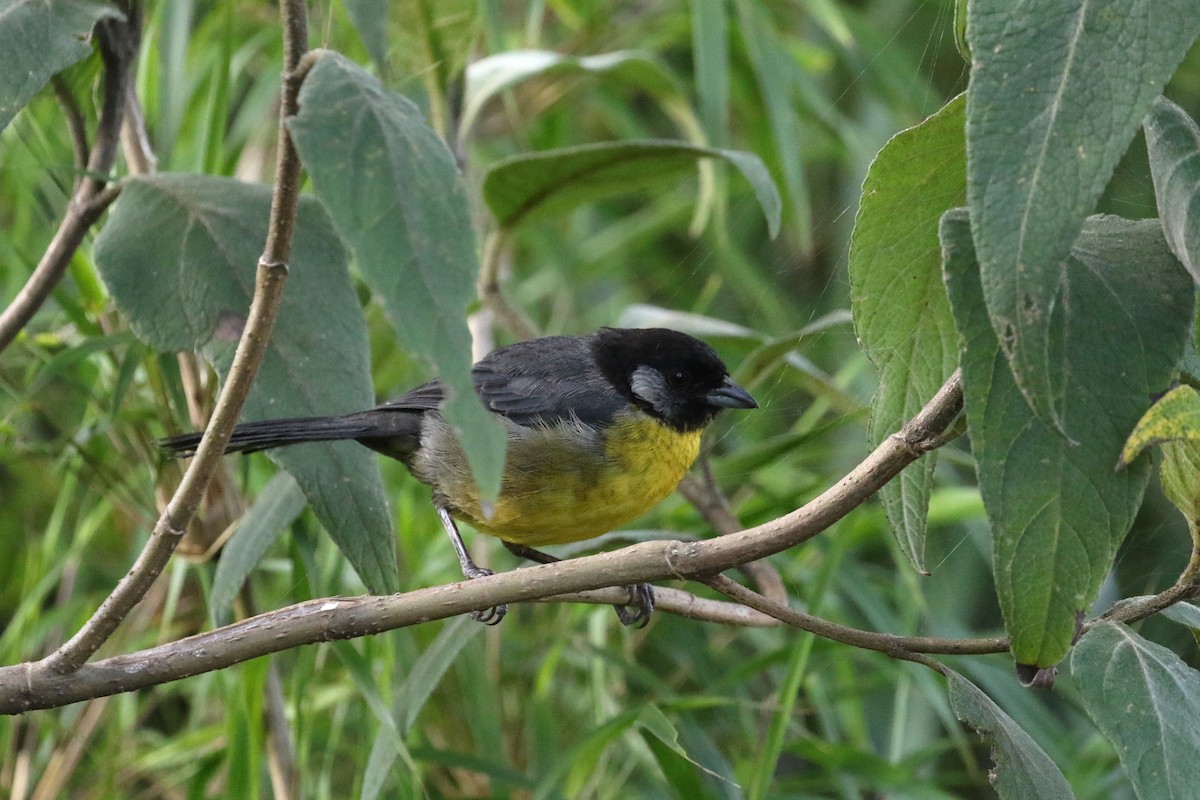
(668, 374)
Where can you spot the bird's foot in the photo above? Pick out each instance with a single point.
(641, 606)
(488, 616)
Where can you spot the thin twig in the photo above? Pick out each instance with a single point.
(114, 38)
(886, 643)
(705, 495)
(269, 282)
(492, 296)
(76, 125)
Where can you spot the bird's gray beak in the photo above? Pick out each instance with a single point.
(730, 395)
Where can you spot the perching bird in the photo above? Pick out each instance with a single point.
(600, 428)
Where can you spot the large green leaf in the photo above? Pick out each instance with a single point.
(1060, 510)
(1058, 89)
(38, 39)
(901, 311)
(395, 195)
(554, 182)
(1023, 770)
(1173, 144)
(1146, 700)
(179, 255)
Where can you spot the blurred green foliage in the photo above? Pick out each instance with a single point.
(559, 702)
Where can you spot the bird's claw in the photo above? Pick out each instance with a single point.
(641, 606)
(488, 616)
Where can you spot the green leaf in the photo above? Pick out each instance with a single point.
(424, 676)
(428, 670)
(434, 36)
(770, 59)
(40, 38)
(1174, 417)
(275, 508)
(395, 195)
(1059, 511)
(1180, 478)
(370, 21)
(1183, 613)
(1173, 144)
(1174, 422)
(492, 76)
(1023, 770)
(178, 255)
(680, 769)
(545, 184)
(710, 54)
(1146, 701)
(901, 311)
(1058, 89)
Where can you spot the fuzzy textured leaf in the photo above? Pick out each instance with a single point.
(1146, 701)
(1023, 770)
(395, 195)
(1058, 89)
(40, 38)
(178, 255)
(901, 311)
(1173, 144)
(1060, 510)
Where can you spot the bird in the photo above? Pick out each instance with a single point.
(600, 427)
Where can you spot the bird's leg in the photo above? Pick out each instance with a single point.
(470, 569)
(641, 595)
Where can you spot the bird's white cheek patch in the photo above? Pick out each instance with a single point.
(649, 384)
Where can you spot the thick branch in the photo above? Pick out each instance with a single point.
(269, 282)
(29, 686)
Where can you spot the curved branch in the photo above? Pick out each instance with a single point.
(28, 686)
(117, 41)
(887, 643)
(269, 282)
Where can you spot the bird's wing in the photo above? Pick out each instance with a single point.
(546, 381)
(540, 382)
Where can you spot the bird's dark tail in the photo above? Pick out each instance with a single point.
(250, 437)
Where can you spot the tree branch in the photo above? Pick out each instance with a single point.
(269, 282)
(889, 644)
(27, 686)
(117, 41)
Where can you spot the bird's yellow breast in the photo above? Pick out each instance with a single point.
(566, 488)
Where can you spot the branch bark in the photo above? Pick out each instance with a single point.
(118, 43)
(28, 686)
(269, 282)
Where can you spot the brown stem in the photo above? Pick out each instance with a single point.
(117, 42)
(28, 686)
(269, 283)
(706, 497)
(76, 125)
(492, 296)
(886, 643)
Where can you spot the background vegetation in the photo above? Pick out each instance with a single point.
(559, 701)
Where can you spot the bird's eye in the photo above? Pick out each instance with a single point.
(677, 378)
